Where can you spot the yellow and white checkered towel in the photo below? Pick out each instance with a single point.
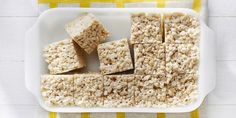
(198, 113)
(198, 5)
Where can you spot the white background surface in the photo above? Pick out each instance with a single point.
(16, 16)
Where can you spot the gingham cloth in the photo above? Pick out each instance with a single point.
(199, 6)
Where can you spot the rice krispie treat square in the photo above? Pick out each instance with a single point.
(88, 90)
(118, 90)
(63, 56)
(149, 59)
(182, 89)
(87, 31)
(182, 58)
(181, 28)
(57, 90)
(114, 56)
(146, 28)
(150, 91)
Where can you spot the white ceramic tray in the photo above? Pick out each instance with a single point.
(50, 28)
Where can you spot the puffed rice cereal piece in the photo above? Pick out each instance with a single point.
(150, 91)
(146, 28)
(181, 28)
(182, 89)
(57, 90)
(182, 58)
(63, 56)
(87, 31)
(88, 90)
(114, 56)
(118, 90)
(149, 59)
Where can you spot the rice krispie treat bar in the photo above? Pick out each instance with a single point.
(182, 58)
(57, 90)
(181, 28)
(146, 28)
(149, 59)
(114, 56)
(63, 56)
(181, 89)
(150, 91)
(87, 31)
(88, 90)
(118, 90)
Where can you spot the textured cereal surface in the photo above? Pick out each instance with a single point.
(146, 28)
(181, 28)
(150, 91)
(57, 90)
(182, 58)
(149, 59)
(87, 31)
(181, 89)
(114, 56)
(165, 67)
(62, 57)
(88, 90)
(118, 90)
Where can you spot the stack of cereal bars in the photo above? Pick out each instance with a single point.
(163, 71)
(182, 58)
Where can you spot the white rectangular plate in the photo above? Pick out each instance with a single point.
(50, 28)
